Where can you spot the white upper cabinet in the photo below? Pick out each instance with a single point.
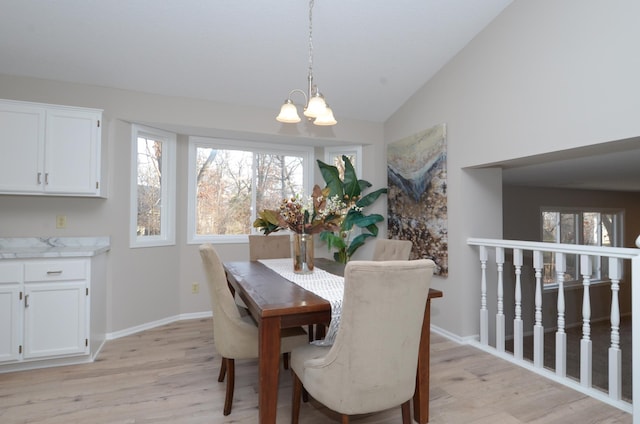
(49, 149)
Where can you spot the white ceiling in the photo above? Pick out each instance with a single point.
(370, 57)
(613, 166)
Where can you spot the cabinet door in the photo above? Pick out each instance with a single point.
(55, 321)
(10, 310)
(22, 131)
(72, 149)
(10, 322)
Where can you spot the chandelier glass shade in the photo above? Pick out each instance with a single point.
(315, 107)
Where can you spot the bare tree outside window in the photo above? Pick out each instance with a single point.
(277, 177)
(225, 192)
(149, 183)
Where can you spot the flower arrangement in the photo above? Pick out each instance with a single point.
(333, 212)
(303, 215)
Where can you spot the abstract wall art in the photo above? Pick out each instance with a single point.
(417, 197)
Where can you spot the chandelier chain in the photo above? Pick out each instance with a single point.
(315, 107)
(311, 38)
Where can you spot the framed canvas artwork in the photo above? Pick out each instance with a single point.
(417, 197)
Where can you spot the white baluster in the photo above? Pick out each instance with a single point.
(484, 312)
(538, 329)
(561, 336)
(517, 321)
(586, 354)
(615, 353)
(500, 314)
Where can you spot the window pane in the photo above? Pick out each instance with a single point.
(339, 163)
(149, 187)
(591, 228)
(223, 199)
(568, 228)
(550, 227)
(607, 229)
(277, 177)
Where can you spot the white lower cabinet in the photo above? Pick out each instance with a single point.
(44, 309)
(55, 319)
(11, 276)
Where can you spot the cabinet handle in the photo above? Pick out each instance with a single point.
(26, 301)
(39, 180)
(46, 178)
(54, 272)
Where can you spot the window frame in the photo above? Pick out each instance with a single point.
(167, 236)
(306, 152)
(579, 212)
(330, 152)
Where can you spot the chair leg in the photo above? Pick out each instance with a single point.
(285, 360)
(310, 333)
(231, 376)
(295, 400)
(406, 412)
(320, 331)
(345, 419)
(223, 370)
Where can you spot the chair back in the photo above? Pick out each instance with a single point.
(375, 355)
(269, 247)
(392, 250)
(233, 337)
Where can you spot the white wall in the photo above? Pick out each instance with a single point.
(146, 285)
(545, 76)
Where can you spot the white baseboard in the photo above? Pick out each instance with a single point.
(452, 336)
(149, 325)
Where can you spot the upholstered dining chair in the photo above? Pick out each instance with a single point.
(235, 337)
(269, 247)
(373, 362)
(392, 250)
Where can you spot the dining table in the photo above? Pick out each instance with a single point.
(276, 303)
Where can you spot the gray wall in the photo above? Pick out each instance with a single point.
(544, 76)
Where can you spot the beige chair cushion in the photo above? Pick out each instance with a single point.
(236, 337)
(269, 247)
(392, 250)
(372, 363)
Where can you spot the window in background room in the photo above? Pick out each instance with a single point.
(153, 157)
(230, 182)
(584, 227)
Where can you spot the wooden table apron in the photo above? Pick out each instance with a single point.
(277, 303)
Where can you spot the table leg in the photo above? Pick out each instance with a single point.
(268, 368)
(421, 395)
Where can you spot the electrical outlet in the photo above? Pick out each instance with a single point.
(195, 288)
(61, 221)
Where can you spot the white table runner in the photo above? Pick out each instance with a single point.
(326, 285)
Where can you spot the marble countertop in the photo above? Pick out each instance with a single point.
(52, 247)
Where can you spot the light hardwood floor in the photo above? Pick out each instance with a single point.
(169, 375)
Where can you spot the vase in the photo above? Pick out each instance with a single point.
(302, 253)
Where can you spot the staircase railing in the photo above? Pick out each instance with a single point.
(522, 269)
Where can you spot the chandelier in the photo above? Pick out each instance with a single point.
(316, 108)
